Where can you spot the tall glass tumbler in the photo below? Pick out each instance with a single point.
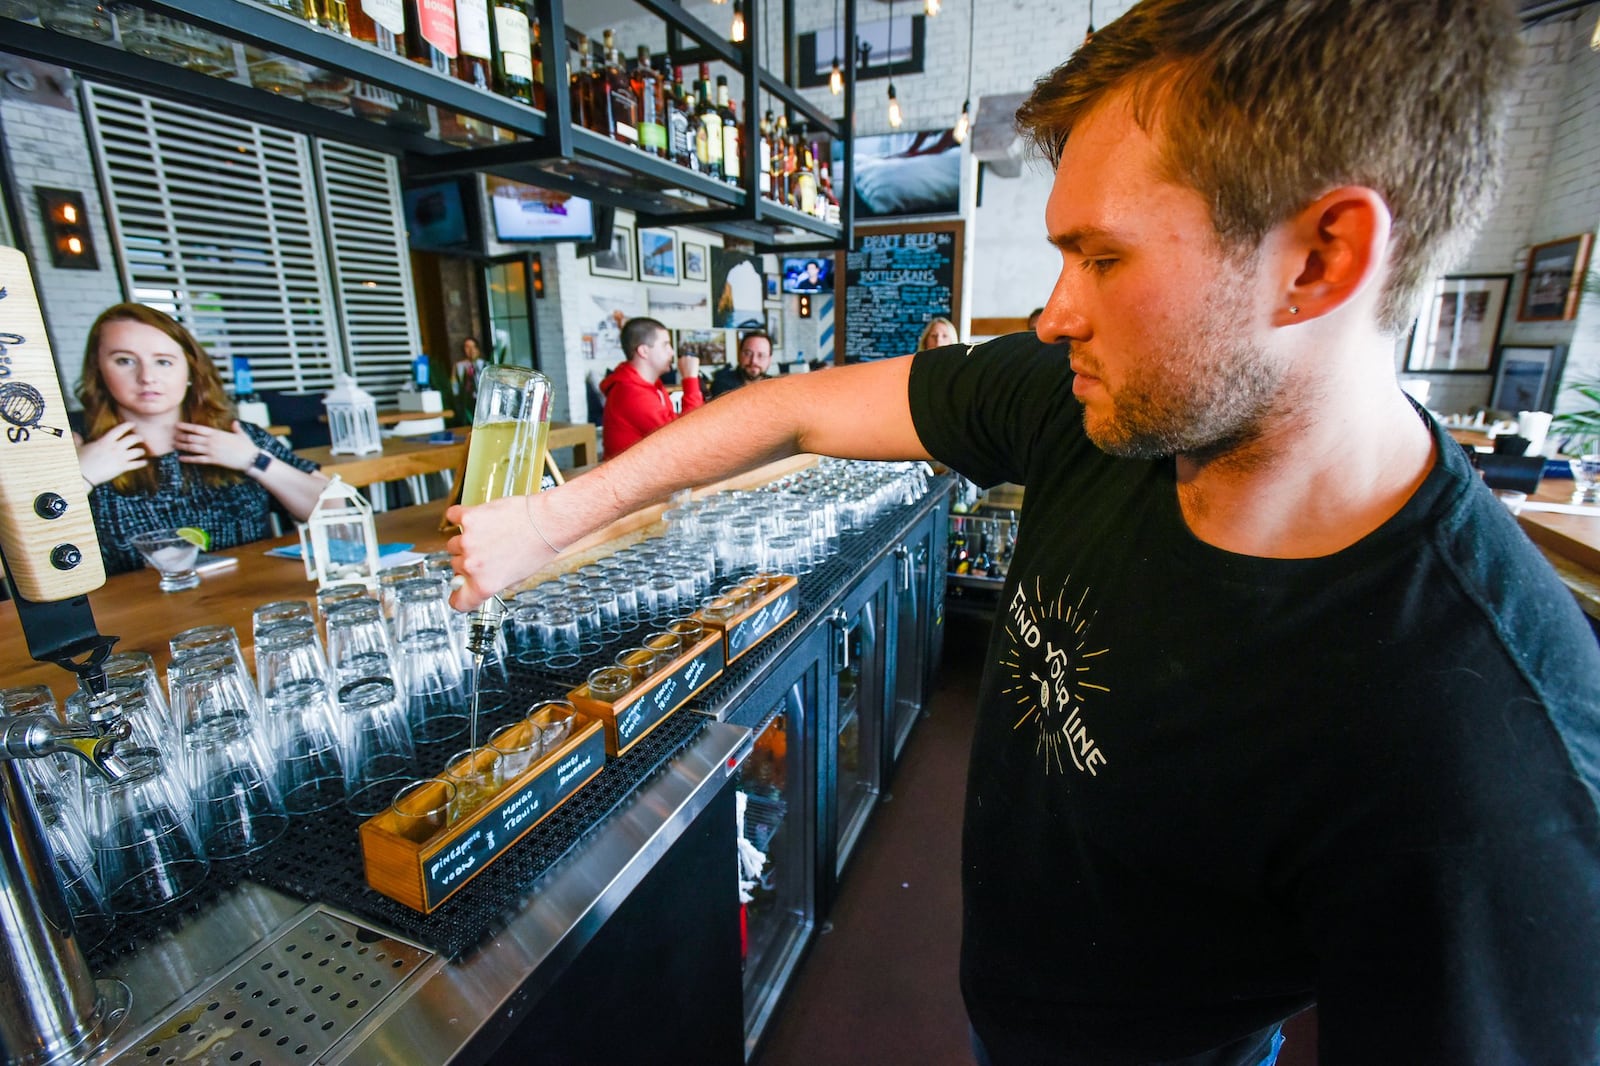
(237, 805)
(358, 641)
(147, 850)
(378, 756)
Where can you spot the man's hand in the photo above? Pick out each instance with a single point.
(688, 367)
(112, 454)
(215, 447)
(497, 547)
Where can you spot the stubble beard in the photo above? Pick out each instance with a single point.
(1202, 400)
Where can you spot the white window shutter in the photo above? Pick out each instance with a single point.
(371, 265)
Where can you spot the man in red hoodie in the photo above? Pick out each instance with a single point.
(637, 404)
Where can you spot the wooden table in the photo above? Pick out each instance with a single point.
(579, 436)
(402, 457)
(129, 605)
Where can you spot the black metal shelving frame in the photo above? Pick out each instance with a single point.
(549, 150)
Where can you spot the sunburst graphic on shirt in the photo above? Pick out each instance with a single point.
(1051, 668)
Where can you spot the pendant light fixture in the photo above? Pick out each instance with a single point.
(895, 118)
(932, 7)
(1087, 37)
(736, 35)
(964, 121)
(836, 76)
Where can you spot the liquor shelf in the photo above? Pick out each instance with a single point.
(449, 126)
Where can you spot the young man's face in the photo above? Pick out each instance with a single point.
(755, 355)
(658, 353)
(1166, 331)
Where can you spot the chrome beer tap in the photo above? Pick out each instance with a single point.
(51, 1008)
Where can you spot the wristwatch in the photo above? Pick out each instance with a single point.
(262, 461)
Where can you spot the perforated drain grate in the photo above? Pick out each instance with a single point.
(289, 1003)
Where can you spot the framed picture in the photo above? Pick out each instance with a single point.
(710, 346)
(1527, 377)
(775, 327)
(694, 262)
(1554, 277)
(616, 261)
(738, 290)
(658, 256)
(773, 292)
(1459, 331)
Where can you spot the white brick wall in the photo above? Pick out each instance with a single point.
(47, 146)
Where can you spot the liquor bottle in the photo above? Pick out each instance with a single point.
(431, 35)
(791, 169)
(708, 127)
(764, 156)
(780, 176)
(536, 55)
(329, 14)
(960, 560)
(804, 182)
(580, 88)
(980, 564)
(621, 107)
(647, 90)
(513, 50)
(732, 152)
(474, 43)
(382, 24)
(680, 121)
(827, 196)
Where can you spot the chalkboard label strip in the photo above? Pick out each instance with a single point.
(422, 876)
(633, 716)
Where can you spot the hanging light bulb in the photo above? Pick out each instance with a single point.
(964, 123)
(1089, 36)
(932, 7)
(895, 118)
(836, 75)
(964, 120)
(1594, 38)
(736, 35)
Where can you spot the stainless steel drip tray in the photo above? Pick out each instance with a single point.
(289, 1002)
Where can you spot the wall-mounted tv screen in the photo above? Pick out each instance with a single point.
(904, 173)
(807, 274)
(439, 217)
(528, 213)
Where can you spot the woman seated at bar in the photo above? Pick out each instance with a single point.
(162, 448)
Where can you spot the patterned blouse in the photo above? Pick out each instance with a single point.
(233, 514)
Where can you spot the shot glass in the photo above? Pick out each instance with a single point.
(610, 683)
(555, 720)
(171, 556)
(689, 631)
(665, 646)
(639, 662)
(518, 745)
(477, 774)
(422, 808)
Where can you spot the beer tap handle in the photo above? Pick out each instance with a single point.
(48, 545)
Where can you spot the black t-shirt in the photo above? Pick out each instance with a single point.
(1207, 789)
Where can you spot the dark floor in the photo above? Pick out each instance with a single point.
(879, 985)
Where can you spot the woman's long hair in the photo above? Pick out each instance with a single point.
(205, 402)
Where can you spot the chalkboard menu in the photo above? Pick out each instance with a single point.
(894, 283)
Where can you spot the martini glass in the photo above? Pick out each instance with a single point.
(171, 556)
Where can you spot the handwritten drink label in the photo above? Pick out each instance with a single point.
(508, 818)
(761, 622)
(638, 717)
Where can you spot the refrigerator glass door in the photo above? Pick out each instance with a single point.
(858, 728)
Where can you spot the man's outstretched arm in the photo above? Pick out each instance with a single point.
(853, 412)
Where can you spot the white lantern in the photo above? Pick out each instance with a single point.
(338, 541)
(352, 418)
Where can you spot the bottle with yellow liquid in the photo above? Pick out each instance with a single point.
(505, 458)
